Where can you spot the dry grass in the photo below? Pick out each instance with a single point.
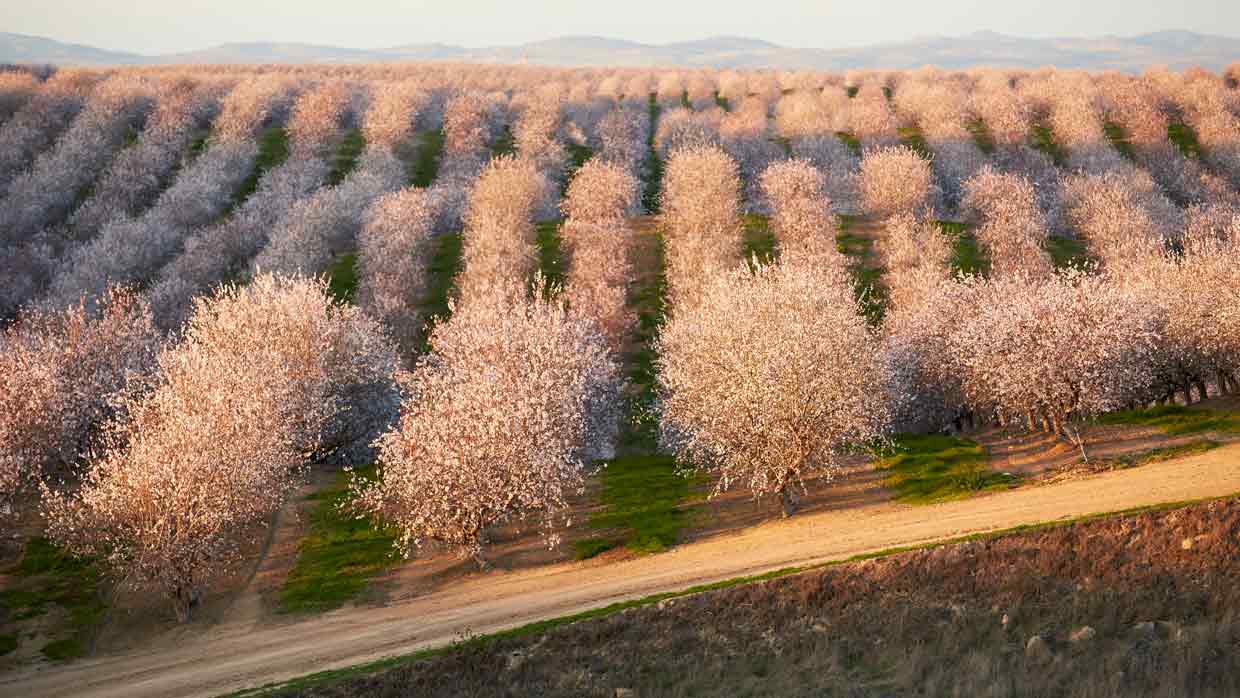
(1159, 589)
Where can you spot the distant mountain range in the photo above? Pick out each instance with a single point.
(1176, 49)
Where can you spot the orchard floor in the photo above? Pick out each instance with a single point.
(245, 649)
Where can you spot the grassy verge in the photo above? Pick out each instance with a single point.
(338, 555)
(345, 159)
(853, 143)
(933, 468)
(912, 138)
(867, 275)
(541, 626)
(982, 136)
(1177, 420)
(272, 152)
(504, 144)
(1118, 139)
(967, 254)
(1158, 455)
(550, 261)
(1067, 252)
(445, 264)
(426, 162)
(759, 244)
(48, 577)
(643, 498)
(1042, 138)
(342, 277)
(1184, 138)
(654, 164)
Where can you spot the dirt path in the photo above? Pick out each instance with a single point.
(234, 656)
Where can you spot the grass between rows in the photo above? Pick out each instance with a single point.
(912, 138)
(1068, 252)
(982, 136)
(654, 164)
(339, 554)
(342, 278)
(758, 245)
(643, 499)
(867, 274)
(344, 160)
(1184, 138)
(541, 626)
(1161, 454)
(272, 152)
(1042, 138)
(934, 468)
(967, 255)
(425, 165)
(1118, 138)
(1176, 420)
(48, 577)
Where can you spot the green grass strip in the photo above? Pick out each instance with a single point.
(933, 468)
(654, 164)
(982, 136)
(758, 244)
(47, 577)
(550, 261)
(912, 138)
(342, 278)
(1176, 420)
(848, 139)
(1042, 138)
(272, 152)
(425, 164)
(1158, 455)
(445, 263)
(1118, 139)
(967, 254)
(1184, 138)
(504, 144)
(642, 498)
(347, 154)
(339, 554)
(1068, 252)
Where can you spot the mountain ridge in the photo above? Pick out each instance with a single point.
(1177, 49)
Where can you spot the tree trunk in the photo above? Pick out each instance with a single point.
(184, 601)
(787, 502)
(1203, 394)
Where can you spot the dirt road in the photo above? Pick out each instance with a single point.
(240, 655)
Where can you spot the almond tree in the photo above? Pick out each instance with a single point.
(1050, 353)
(916, 259)
(501, 419)
(701, 199)
(267, 378)
(896, 180)
(60, 375)
(133, 249)
(136, 176)
(1011, 227)
(42, 119)
(596, 245)
(499, 246)
(45, 194)
(16, 88)
(768, 376)
(393, 250)
(801, 215)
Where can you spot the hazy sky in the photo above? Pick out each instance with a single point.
(159, 26)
